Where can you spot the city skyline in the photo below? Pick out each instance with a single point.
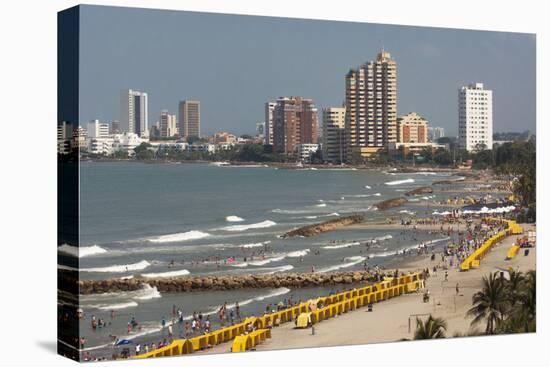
(243, 66)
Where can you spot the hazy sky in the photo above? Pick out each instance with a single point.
(233, 64)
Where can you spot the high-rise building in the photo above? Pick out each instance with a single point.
(260, 131)
(371, 107)
(435, 133)
(167, 125)
(412, 128)
(294, 123)
(97, 129)
(269, 108)
(134, 112)
(189, 118)
(334, 120)
(475, 117)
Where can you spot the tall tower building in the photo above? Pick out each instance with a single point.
(294, 122)
(371, 107)
(412, 128)
(133, 112)
(167, 125)
(475, 117)
(269, 109)
(334, 119)
(189, 118)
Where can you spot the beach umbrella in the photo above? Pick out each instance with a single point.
(123, 342)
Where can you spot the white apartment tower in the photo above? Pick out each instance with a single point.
(334, 119)
(475, 117)
(133, 112)
(371, 107)
(269, 117)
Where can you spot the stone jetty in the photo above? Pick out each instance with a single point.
(227, 282)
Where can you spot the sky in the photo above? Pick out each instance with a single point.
(233, 64)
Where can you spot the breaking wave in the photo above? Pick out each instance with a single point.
(176, 237)
(119, 268)
(351, 261)
(167, 274)
(233, 218)
(399, 182)
(81, 251)
(277, 269)
(244, 227)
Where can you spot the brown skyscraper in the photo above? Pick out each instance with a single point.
(189, 118)
(294, 122)
(371, 107)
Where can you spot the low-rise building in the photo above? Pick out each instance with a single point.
(101, 146)
(402, 150)
(305, 151)
(223, 137)
(202, 147)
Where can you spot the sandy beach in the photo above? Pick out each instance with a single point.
(394, 320)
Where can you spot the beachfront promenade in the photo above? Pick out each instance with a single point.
(248, 333)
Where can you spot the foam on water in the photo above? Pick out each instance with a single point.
(399, 182)
(322, 205)
(266, 261)
(244, 227)
(233, 218)
(177, 237)
(277, 269)
(257, 244)
(321, 216)
(298, 253)
(167, 274)
(116, 306)
(350, 261)
(81, 251)
(119, 268)
(407, 212)
(343, 245)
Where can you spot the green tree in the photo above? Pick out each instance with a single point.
(442, 157)
(483, 159)
(143, 152)
(432, 328)
(195, 139)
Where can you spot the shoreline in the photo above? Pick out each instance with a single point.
(292, 165)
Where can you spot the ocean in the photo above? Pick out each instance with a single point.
(161, 220)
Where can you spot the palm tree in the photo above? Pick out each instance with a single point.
(490, 303)
(432, 328)
(528, 302)
(514, 286)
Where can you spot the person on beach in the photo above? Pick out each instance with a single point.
(446, 275)
(457, 289)
(238, 311)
